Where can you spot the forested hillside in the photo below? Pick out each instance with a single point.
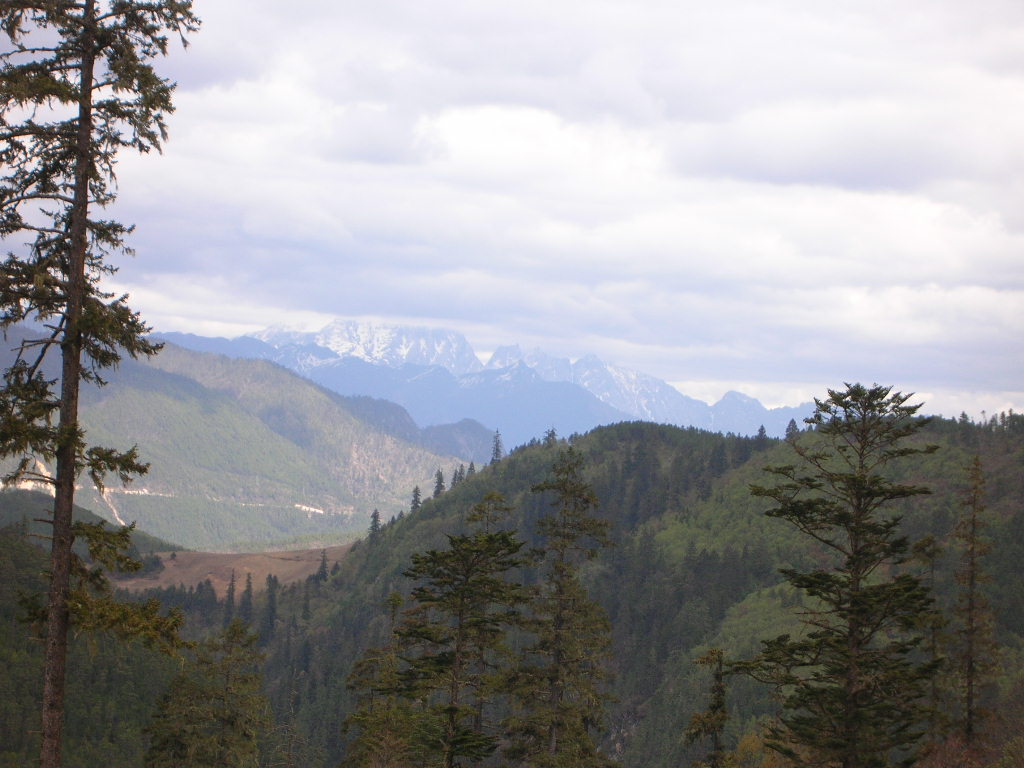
(694, 565)
(244, 454)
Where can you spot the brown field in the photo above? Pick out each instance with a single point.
(191, 568)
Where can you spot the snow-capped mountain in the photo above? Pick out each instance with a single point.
(437, 377)
(390, 345)
(641, 396)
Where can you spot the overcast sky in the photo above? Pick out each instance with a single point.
(768, 196)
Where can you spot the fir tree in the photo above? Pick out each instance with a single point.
(710, 724)
(453, 637)
(975, 656)
(76, 86)
(470, 470)
(229, 600)
(417, 500)
(425, 698)
(268, 621)
(792, 430)
(438, 483)
(852, 687)
(374, 533)
(245, 603)
(387, 724)
(214, 711)
(558, 699)
(322, 572)
(497, 448)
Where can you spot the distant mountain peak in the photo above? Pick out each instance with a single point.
(732, 396)
(391, 345)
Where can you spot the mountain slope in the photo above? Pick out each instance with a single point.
(437, 377)
(246, 453)
(695, 564)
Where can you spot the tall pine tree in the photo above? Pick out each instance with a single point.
(975, 651)
(441, 672)
(852, 686)
(557, 688)
(76, 86)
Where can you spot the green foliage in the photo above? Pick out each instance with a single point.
(213, 713)
(112, 686)
(449, 654)
(710, 723)
(76, 86)
(557, 686)
(974, 653)
(851, 686)
(694, 567)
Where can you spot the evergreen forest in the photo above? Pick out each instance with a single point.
(587, 582)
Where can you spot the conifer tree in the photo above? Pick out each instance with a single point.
(852, 687)
(497, 448)
(268, 622)
(792, 430)
(322, 572)
(438, 483)
(414, 506)
(229, 600)
(976, 651)
(374, 533)
(710, 724)
(558, 699)
(425, 698)
(245, 603)
(76, 86)
(387, 724)
(214, 711)
(452, 639)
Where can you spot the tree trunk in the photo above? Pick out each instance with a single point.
(58, 614)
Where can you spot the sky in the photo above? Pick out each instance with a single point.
(775, 197)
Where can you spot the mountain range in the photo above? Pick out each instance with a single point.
(247, 455)
(438, 378)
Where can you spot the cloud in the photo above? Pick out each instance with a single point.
(773, 194)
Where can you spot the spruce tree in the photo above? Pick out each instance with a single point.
(322, 572)
(76, 86)
(374, 532)
(214, 711)
(387, 724)
(417, 501)
(497, 448)
(425, 698)
(852, 686)
(268, 621)
(438, 483)
(229, 600)
(710, 724)
(245, 603)
(976, 649)
(557, 687)
(453, 637)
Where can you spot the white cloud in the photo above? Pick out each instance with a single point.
(774, 194)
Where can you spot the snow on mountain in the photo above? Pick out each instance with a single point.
(637, 394)
(389, 345)
(630, 393)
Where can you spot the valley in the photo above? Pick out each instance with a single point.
(189, 569)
